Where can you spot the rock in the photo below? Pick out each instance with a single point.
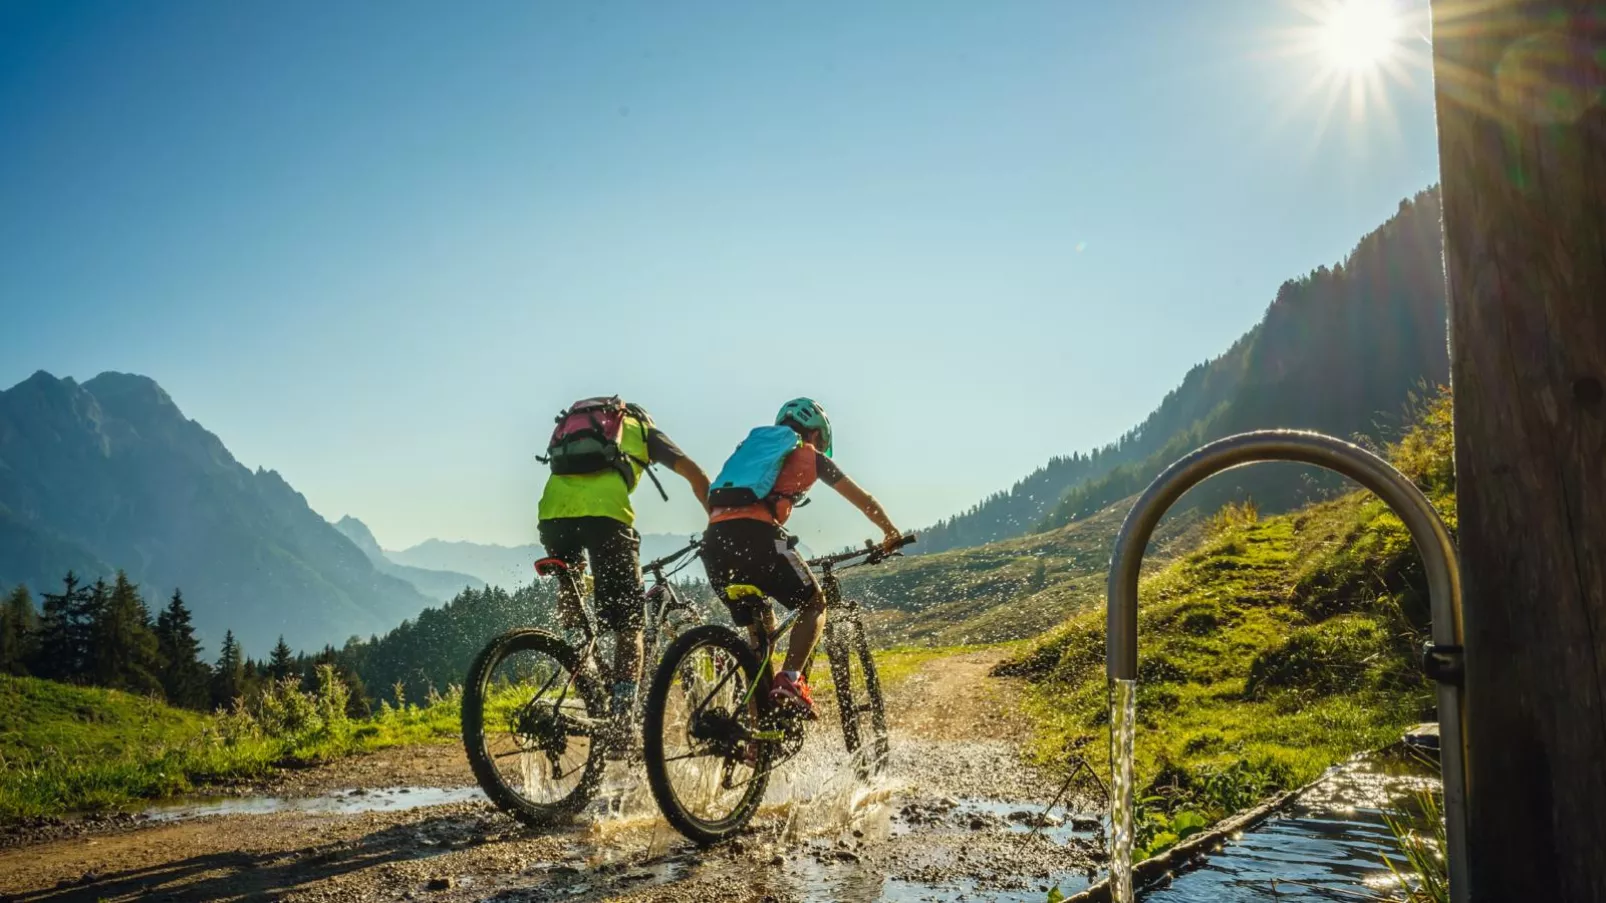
(1085, 823)
(777, 860)
(847, 856)
(441, 883)
(857, 833)
(977, 823)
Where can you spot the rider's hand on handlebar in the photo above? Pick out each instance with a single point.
(892, 541)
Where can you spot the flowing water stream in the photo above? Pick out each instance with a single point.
(1123, 717)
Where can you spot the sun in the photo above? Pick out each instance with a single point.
(1360, 35)
(1354, 54)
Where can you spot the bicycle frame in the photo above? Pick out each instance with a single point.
(831, 588)
(657, 602)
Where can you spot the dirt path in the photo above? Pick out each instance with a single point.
(408, 824)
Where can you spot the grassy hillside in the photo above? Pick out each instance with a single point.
(1004, 590)
(67, 748)
(1278, 648)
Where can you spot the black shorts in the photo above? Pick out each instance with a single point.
(758, 553)
(615, 549)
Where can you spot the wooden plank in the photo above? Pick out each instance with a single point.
(1522, 148)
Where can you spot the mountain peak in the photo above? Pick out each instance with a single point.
(357, 532)
(126, 390)
(43, 381)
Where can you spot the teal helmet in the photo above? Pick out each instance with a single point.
(807, 414)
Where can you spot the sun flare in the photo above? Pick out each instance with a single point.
(1360, 34)
(1354, 54)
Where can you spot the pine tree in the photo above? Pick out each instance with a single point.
(228, 678)
(62, 652)
(282, 663)
(19, 632)
(184, 675)
(123, 645)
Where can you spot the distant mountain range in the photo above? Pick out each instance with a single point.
(1340, 350)
(440, 585)
(510, 566)
(111, 474)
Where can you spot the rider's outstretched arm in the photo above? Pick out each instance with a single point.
(867, 504)
(691, 473)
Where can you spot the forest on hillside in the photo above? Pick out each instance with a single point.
(1340, 350)
(104, 635)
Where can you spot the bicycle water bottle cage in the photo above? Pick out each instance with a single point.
(739, 591)
(546, 567)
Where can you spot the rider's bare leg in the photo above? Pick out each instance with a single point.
(804, 633)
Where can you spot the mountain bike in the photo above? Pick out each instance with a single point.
(712, 737)
(536, 724)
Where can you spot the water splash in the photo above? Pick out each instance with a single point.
(820, 791)
(1123, 716)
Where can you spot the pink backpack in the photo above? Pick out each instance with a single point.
(587, 440)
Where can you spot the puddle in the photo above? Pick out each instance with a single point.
(1329, 845)
(390, 799)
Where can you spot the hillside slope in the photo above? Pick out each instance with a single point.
(1281, 647)
(1004, 590)
(1339, 350)
(111, 474)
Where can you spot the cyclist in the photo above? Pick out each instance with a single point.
(746, 543)
(598, 453)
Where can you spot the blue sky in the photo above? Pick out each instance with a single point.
(375, 246)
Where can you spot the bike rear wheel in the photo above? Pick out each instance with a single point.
(856, 686)
(529, 713)
(706, 771)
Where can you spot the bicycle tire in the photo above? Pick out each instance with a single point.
(507, 799)
(700, 831)
(845, 641)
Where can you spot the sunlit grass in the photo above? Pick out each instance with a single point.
(1279, 649)
(65, 748)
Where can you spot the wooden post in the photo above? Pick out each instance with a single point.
(1521, 91)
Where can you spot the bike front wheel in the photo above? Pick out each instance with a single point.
(530, 717)
(856, 686)
(706, 768)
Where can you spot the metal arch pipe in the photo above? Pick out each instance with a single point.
(1427, 531)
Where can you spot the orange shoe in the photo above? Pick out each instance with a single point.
(789, 693)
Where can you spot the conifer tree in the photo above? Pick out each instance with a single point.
(228, 678)
(184, 675)
(123, 647)
(281, 663)
(19, 632)
(62, 651)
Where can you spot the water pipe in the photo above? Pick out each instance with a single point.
(1442, 659)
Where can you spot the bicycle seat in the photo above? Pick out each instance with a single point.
(546, 567)
(739, 591)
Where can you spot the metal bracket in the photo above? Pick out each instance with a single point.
(1443, 663)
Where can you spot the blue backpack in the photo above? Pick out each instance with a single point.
(749, 474)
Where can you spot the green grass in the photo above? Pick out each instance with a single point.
(65, 748)
(1278, 648)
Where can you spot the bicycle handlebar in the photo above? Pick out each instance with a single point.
(673, 557)
(872, 553)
